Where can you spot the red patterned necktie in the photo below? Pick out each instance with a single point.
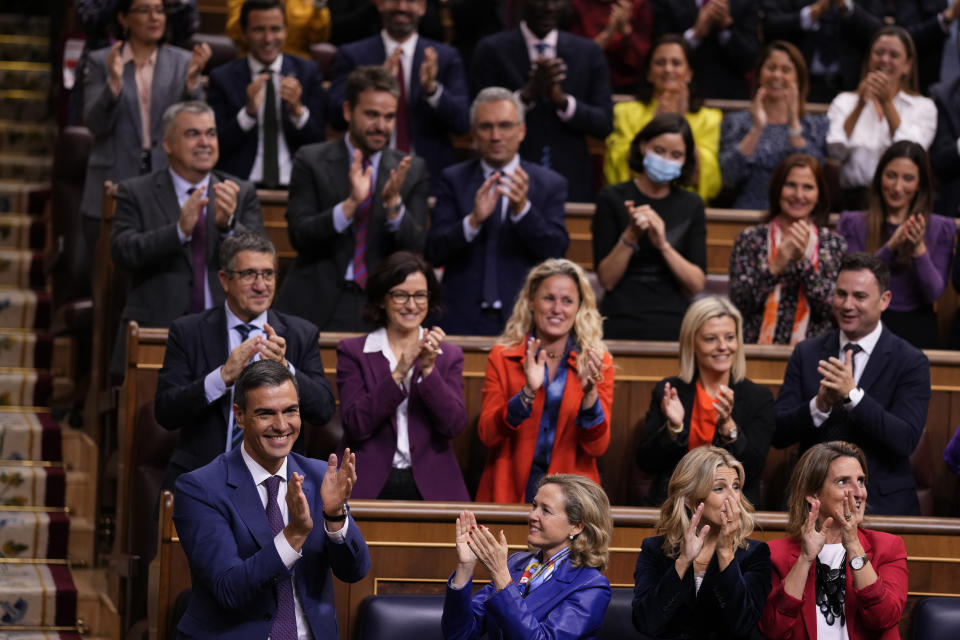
(361, 222)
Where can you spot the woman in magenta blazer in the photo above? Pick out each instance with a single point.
(831, 577)
(401, 390)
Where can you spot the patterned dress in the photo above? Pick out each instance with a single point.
(751, 282)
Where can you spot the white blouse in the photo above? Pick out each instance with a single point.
(830, 555)
(860, 153)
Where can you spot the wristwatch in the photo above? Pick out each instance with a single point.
(343, 516)
(858, 562)
(731, 436)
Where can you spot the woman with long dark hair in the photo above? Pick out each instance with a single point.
(901, 229)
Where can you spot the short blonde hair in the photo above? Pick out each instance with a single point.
(692, 482)
(696, 316)
(586, 503)
(810, 473)
(587, 325)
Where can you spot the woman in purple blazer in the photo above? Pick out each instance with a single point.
(917, 244)
(401, 390)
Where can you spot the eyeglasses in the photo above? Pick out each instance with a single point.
(401, 297)
(249, 276)
(502, 127)
(158, 10)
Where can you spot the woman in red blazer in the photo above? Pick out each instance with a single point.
(831, 574)
(549, 387)
(401, 390)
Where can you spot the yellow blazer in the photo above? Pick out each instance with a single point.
(630, 117)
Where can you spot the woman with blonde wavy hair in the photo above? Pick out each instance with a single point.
(548, 390)
(708, 581)
(570, 526)
(710, 402)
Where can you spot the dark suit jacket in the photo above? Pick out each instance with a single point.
(918, 17)
(430, 128)
(234, 564)
(719, 66)
(873, 613)
(115, 121)
(318, 183)
(436, 414)
(227, 94)
(886, 424)
(659, 452)
(728, 604)
(502, 60)
(145, 244)
(571, 604)
(943, 151)
(540, 234)
(196, 345)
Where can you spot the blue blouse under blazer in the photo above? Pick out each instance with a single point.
(570, 605)
(728, 605)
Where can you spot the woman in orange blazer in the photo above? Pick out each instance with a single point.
(549, 387)
(832, 578)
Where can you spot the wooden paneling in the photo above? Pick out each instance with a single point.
(412, 550)
(639, 365)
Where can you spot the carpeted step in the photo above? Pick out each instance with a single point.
(28, 435)
(37, 595)
(25, 167)
(43, 635)
(22, 269)
(20, 74)
(22, 197)
(25, 48)
(46, 486)
(26, 25)
(43, 534)
(27, 137)
(31, 350)
(18, 231)
(23, 105)
(30, 388)
(24, 309)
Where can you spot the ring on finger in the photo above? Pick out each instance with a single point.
(848, 516)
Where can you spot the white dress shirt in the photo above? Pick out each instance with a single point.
(867, 344)
(247, 122)
(860, 153)
(288, 554)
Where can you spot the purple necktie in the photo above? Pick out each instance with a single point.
(198, 256)
(285, 623)
(361, 221)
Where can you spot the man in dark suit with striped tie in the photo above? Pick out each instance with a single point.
(206, 352)
(353, 201)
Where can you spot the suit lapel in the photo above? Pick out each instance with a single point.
(133, 102)
(246, 499)
(162, 78)
(216, 350)
(213, 233)
(166, 197)
(414, 96)
(876, 364)
(309, 490)
(543, 597)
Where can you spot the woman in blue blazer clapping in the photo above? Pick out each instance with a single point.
(555, 590)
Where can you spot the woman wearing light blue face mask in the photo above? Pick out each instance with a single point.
(649, 236)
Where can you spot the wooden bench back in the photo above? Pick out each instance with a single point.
(411, 551)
